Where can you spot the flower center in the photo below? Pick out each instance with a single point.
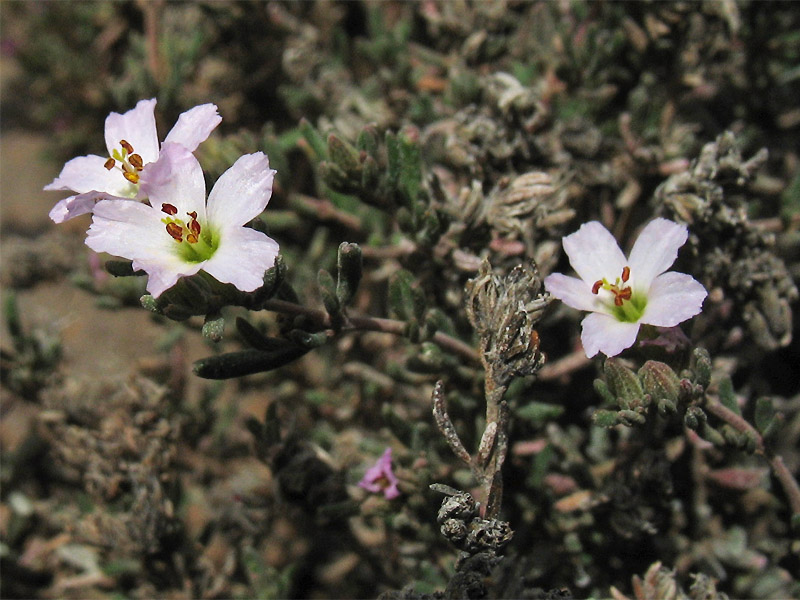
(383, 482)
(196, 243)
(628, 306)
(130, 163)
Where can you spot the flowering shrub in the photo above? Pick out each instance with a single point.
(432, 158)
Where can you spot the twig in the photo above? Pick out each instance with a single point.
(779, 468)
(564, 366)
(325, 211)
(353, 323)
(402, 248)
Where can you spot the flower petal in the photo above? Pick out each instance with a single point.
(242, 258)
(137, 127)
(175, 178)
(593, 253)
(242, 192)
(128, 229)
(573, 292)
(81, 204)
(673, 298)
(87, 174)
(194, 126)
(655, 250)
(162, 275)
(602, 333)
(135, 231)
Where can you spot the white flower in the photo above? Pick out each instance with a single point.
(132, 143)
(621, 293)
(179, 234)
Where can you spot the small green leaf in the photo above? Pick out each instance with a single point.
(314, 139)
(694, 417)
(765, 414)
(344, 155)
(539, 412)
(727, 396)
(246, 362)
(349, 265)
(121, 268)
(601, 387)
(410, 176)
(631, 417)
(368, 140)
(400, 295)
(605, 418)
(702, 367)
(712, 435)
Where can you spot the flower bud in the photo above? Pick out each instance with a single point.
(624, 384)
(349, 275)
(702, 367)
(660, 381)
(694, 417)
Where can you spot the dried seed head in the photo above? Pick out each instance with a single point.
(504, 312)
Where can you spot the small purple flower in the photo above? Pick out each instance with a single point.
(380, 478)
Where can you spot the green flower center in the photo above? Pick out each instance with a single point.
(628, 305)
(195, 242)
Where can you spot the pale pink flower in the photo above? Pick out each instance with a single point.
(178, 234)
(380, 478)
(622, 294)
(132, 144)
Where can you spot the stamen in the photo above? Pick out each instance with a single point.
(132, 177)
(194, 226)
(625, 294)
(626, 274)
(136, 161)
(127, 146)
(169, 209)
(176, 231)
(597, 285)
(109, 164)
